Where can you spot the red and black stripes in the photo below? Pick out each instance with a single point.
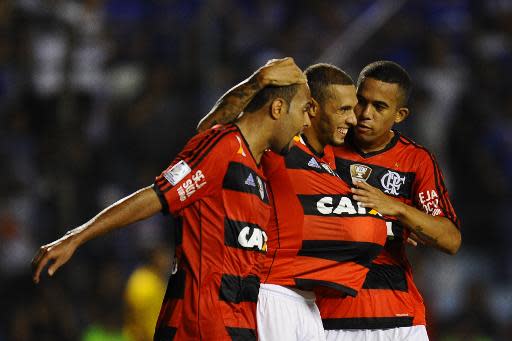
(220, 238)
(389, 297)
(196, 151)
(444, 203)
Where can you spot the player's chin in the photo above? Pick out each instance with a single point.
(363, 131)
(286, 149)
(337, 140)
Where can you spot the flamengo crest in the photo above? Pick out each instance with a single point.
(391, 182)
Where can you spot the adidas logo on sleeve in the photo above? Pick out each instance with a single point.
(313, 163)
(250, 181)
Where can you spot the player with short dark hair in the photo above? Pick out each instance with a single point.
(314, 245)
(269, 92)
(400, 179)
(217, 190)
(321, 75)
(328, 82)
(388, 72)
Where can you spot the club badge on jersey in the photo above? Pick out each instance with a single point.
(261, 188)
(258, 184)
(391, 181)
(359, 172)
(329, 170)
(362, 173)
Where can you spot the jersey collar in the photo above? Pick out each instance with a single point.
(311, 149)
(245, 142)
(350, 141)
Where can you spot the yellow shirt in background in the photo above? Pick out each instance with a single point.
(144, 294)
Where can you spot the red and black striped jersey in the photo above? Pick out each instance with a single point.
(218, 194)
(389, 297)
(319, 237)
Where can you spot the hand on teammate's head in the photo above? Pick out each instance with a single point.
(281, 72)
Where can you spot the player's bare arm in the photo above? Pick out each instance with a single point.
(277, 72)
(439, 232)
(137, 206)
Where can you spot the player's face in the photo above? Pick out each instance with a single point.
(295, 120)
(376, 111)
(336, 114)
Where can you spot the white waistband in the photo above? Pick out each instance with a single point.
(288, 291)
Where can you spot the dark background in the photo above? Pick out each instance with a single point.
(96, 97)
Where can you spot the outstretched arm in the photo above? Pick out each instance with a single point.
(278, 72)
(137, 206)
(439, 232)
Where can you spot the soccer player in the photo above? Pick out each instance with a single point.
(320, 240)
(216, 188)
(401, 180)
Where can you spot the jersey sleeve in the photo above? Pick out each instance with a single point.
(195, 173)
(430, 192)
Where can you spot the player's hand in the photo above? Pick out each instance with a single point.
(281, 72)
(412, 242)
(58, 252)
(374, 198)
(414, 239)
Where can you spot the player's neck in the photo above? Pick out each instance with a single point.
(313, 140)
(374, 146)
(255, 134)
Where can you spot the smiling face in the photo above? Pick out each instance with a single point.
(334, 96)
(335, 114)
(377, 110)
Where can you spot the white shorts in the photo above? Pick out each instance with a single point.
(414, 333)
(286, 314)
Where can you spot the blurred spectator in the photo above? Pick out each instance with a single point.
(471, 323)
(48, 315)
(144, 293)
(106, 312)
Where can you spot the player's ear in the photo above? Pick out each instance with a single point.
(401, 114)
(314, 107)
(277, 108)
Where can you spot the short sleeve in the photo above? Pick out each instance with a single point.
(430, 192)
(195, 173)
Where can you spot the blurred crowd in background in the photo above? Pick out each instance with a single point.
(97, 96)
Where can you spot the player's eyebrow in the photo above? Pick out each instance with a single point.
(381, 104)
(363, 99)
